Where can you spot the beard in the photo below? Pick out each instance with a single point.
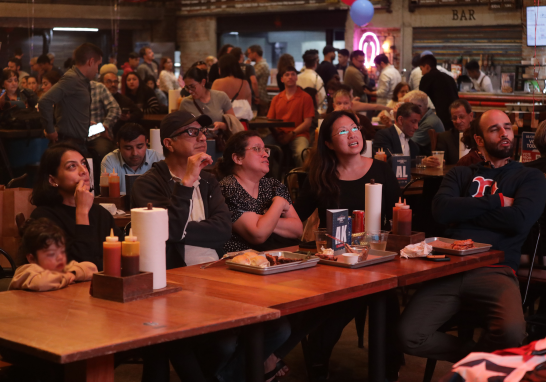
(494, 151)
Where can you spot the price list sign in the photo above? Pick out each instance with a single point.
(529, 151)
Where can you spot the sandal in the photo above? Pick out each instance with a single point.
(280, 365)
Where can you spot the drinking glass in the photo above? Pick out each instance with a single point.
(419, 161)
(377, 239)
(321, 239)
(440, 156)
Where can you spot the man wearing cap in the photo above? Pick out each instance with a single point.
(326, 70)
(199, 219)
(417, 74)
(343, 60)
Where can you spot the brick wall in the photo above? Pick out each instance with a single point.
(196, 37)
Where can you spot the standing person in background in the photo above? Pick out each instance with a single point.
(356, 75)
(232, 82)
(285, 61)
(34, 67)
(148, 66)
(45, 65)
(72, 99)
(130, 66)
(428, 121)
(326, 70)
(388, 79)
(15, 64)
(213, 71)
(48, 80)
(309, 78)
(167, 78)
(248, 70)
(440, 88)
(140, 94)
(343, 60)
(482, 83)
(255, 53)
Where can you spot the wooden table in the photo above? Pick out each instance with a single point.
(122, 220)
(430, 171)
(71, 327)
(268, 123)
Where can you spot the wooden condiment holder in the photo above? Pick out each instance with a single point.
(120, 202)
(397, 242)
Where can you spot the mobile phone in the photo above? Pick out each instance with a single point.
(96, 129)
(438, 259)
(2, 92)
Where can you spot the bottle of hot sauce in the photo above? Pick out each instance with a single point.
(130, 256)
(104, 189)
(113, 184)
(380, 155)
(395, 209)
(404, 220)
(111, 255)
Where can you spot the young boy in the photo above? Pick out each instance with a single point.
(43, 244)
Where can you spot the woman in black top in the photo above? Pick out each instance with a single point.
(261, 209)
(62, 194)
(339, 172)
(140, 94)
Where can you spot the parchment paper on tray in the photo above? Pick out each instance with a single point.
(421, 249)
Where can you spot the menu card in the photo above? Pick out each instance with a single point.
(529, 151)
(337, 225)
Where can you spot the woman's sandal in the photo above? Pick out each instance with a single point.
(279, 366)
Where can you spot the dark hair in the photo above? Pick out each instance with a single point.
(163, 61)
(85, 52)
(323, 174)
(6, 75)
(381, 58)
(429, 60)
(44, 194)
(142, 51)
(228, 65)
(198, 75)
(69, 62)
(415, 60)
(39, 234)
(224, 50)
(129, 132)
(310, 58)
(334, 84)
(134, 55)
(284, 62)
(43, 59)
(140, 82)
(461, 102)
(357, 53)
(472, 65)
(52, 76)
(343, 52)
(256, 49)
(16, 61)
(290, 69)
(328, 49)
(407, 109)
(468, 135)
(237, 53)
(397, 89)
(149, 77)
(236, 144)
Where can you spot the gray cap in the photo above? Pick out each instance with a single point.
(178, 119)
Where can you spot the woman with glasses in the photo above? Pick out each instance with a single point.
(167, 78)
(140, 94)
(261, 209)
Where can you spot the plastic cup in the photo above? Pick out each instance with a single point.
(440, 156)
(362, 251)
(419, 161)
(321, 239)
(377, 239)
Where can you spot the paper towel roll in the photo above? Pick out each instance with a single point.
(151, 227)
(91, 176)
(173, 100)
(372, 210)
(155, 141)
(462, 148)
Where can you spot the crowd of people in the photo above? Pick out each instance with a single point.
(488, 197)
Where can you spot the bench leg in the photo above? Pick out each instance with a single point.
(98, 369)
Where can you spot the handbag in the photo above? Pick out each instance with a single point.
(220, 138)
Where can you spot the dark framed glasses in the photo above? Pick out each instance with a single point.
(192, 131)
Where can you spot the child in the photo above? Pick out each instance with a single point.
(43, 244)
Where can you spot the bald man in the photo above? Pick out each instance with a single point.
(495, 202)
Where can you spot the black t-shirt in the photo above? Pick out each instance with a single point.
(326, 70)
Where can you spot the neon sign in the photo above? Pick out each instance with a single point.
(369, 40)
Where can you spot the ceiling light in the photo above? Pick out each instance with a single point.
(66, 29)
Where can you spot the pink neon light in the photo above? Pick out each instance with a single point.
(375, 48)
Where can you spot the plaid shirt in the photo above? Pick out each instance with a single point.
(262, 75)
(104, 108)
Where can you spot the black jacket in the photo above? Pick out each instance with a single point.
(157, 187)
(442, 90)
(389, 141)
(470, 201)
(326, 70)
(448, 142)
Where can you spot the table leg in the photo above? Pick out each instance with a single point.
(98, 369)
(5, 159)
(376, 335)
(254, 347)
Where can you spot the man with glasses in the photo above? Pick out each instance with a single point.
(199, 219)
(356, 75)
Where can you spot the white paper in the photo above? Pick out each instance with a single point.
(368, 152)
(173, 100)
(91, 175)
(372, 210)
(151, 227)
(421, 249)
(462, 148)
(155, 141)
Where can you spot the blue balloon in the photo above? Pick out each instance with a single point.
(362, 12)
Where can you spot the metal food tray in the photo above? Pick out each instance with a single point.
(275, 268)
(374, 257)
(478, 247)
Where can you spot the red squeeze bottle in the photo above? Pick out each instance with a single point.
(104, 188)
(404, 220)
(111, 255)
(113, 184)
(395, 209)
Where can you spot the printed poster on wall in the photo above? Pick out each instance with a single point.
(529, 151)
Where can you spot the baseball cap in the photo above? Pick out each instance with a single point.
(427, 53)
(329, 49)
(178, 119)
(108, 68)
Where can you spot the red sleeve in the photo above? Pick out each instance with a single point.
(271, 114)
(308, 107)
(501, 199)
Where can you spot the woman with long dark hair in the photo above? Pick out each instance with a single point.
(62, 194)
(232, 82)
(140, 94)
(213, 73)
(261, 209)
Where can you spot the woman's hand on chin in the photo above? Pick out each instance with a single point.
(84, 201)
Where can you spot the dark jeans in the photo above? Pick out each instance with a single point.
(491, 293)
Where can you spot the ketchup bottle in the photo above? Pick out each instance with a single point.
(113, 184)
(130, 256)
(111, 255)
(404, 220)
(395, 209)
(104, 188)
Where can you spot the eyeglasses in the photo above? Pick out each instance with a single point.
(111, 82)
(259, 150)
(190, 88)
(345, 131)
(192, 131)
(199, 63)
